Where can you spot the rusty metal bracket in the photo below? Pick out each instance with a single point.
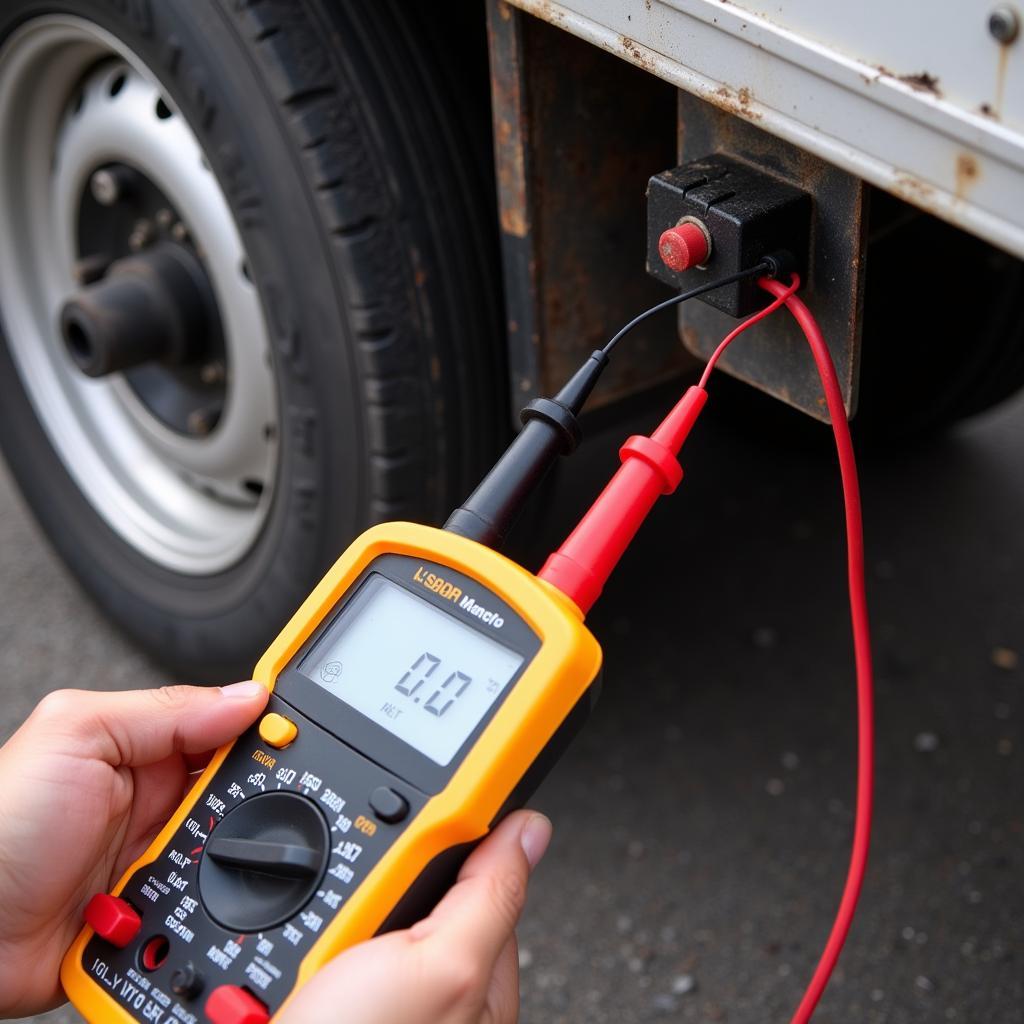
(773, 355)
(577, 133)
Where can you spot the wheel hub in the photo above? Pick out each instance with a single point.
(157, 310)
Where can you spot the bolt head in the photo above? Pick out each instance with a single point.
(201, 421)
(142, 234)
(1003, 24)
(105, 187)
(212, 373)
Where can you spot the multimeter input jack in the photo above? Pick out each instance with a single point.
(153, 954)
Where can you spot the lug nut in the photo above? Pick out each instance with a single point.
(109, 185)
(201, 421)
(684, 246)
(142, 234)
(212, 373)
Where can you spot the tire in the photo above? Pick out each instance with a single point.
(354, 160)
(940, 343)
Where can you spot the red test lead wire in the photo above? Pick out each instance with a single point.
(749, 322)
(861, 650)
(582, 565)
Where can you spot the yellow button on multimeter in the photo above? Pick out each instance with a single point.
(419, 694)
(276, 730)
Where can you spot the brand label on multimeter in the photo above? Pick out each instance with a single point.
(384, 700)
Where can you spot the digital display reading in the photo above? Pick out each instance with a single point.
(411, 668)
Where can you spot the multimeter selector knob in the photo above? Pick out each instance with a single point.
(264, 861)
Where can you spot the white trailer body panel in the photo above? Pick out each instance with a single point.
(916, 97)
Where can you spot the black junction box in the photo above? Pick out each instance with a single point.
(747, 212)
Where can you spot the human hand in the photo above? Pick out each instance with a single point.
(89, 780)
(459, 966)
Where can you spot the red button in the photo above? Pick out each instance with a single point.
(113, 919)
(683, 246)
(230, 1004)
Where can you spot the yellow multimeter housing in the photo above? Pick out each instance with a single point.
(421, 692)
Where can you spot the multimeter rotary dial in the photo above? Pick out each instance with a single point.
(264, 861)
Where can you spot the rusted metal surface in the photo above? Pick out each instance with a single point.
(888, 92)
(577, 134)
(505, 46)
(773, 355)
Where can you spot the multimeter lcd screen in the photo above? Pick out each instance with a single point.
(411, 668)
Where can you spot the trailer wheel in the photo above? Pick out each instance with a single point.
(941, 342)
(247, 299)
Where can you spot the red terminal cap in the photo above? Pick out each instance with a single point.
(683, 246)
(230, 1004)
(113, 919)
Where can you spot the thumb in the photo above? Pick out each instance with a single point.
(141, 727)
(480, 912)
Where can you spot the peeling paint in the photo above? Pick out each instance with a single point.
(513, 222)
(735, 102)
(509, 166)
(968, 171)
(922, 82)
(914, 190)
(639, 54)
(547, 11)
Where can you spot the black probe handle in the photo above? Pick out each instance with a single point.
(490, 511)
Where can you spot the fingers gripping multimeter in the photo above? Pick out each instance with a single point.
(419, 694)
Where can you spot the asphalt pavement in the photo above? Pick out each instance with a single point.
(702, 820)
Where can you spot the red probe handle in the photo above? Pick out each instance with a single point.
(581, 566)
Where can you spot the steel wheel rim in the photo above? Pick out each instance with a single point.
(192, 505)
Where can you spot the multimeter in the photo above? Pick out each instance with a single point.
(419, 694)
